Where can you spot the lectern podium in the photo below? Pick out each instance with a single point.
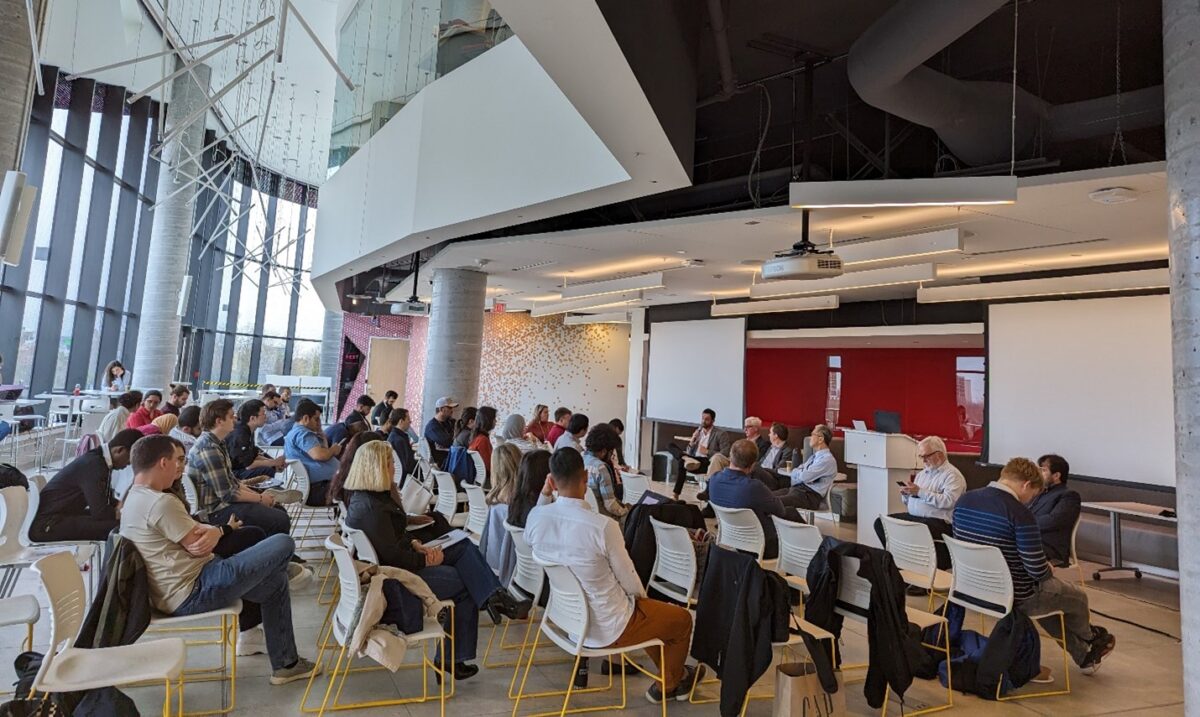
(883, 459)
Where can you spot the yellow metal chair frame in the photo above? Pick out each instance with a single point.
(226, 671)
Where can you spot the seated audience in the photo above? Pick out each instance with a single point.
(336, 490)
(495, 543)
(78, 503)
(533, 487)
(354, 422)
(401, 442)
(481, 439)
(271, 433)
(1056, 509)
(383, 409)
(512, 432)
(219, 493)
(249, 461)
(264, 389)
(736, 487)
(115, 420)
(619, 426)
(539, 424)
(185, 576)
(148, 411)
(115, 378)
(187, 430)
(439, 430)
(569, 533)
(931, 496)
(285, 401)
(753, 428)
(707, 441)
(464, 427)
(604, 480)
(562, 416)
(779, 455)
(996, 515)
(306, 443)
(165, 423)
(577, 427)
(458, 573)
(811, 479)
(177, 399)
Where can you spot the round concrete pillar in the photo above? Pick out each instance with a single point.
(455, 337)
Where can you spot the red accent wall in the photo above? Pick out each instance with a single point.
(789, 385)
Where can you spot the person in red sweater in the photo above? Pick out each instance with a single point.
(481, 439)
(562, 416)
(539, 423)
(147, 412)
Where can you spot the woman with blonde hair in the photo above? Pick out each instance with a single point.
(495, 543)
(457, 573)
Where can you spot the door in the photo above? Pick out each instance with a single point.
(387, 368)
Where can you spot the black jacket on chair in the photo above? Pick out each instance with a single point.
(744, 609)
(895, 652)
(1056, 510)
(120, 610)
(639, 534)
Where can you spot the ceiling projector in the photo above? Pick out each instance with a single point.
(412, 307)
(802, 261)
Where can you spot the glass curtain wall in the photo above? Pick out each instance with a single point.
(72, 303)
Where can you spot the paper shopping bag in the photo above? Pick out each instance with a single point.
(798, 693)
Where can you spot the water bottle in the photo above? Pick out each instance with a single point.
(77, 390)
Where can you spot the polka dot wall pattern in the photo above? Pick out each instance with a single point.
(415, 388)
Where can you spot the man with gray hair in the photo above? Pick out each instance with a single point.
(931, 496)
(811, 479)
(754, 432)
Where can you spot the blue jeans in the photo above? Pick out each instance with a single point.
(273, 520)
(258, 574)
(5, 429)
(465, 578)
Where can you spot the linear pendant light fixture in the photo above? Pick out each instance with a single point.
(614, 286)
(594, 302)
(616, 317)
(867, 279)
(1057, 286)
(934, 192)
(775, 306)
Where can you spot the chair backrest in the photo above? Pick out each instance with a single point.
(635, 485)
(980, 581)
(674, 571)
(480, 468)
(91, 421)
(528, 575)
(798, 545)
(189, 492)
(14, 504)
(33, 499)
(738, 528)
(398, 474)
(59, 405)
(567, 614)
(589, 497)
(299, 480)
(423, 449)
(362, 546)
(447, 494)
(477, 507)
(64, 588)
(415, 497)
(911, 546)
(854, 592)
(1074, 534)
(351, 591)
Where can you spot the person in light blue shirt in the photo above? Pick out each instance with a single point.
(811, 480)
(306, 443)
(272, 432)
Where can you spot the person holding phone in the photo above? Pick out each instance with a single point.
(931, 495)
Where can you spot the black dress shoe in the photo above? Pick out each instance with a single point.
(462, 671)
(502, 603)
(915, 591)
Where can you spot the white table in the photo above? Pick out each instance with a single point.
(1143, 511)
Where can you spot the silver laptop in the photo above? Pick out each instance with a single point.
(860, 425)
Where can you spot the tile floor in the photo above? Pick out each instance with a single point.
(1143, 676)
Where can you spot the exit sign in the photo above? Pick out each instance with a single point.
(498, 307)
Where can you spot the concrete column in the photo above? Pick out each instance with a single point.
(1181, 74)
(455, 337)
(635, 389)
(331, 345)
(167, 260)
(16, 78)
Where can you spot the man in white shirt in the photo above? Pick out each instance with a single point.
(931, 496)
(572, 437)
(568, 532)
(811, 479)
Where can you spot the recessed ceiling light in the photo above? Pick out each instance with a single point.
(681, 251)
(1113, 195)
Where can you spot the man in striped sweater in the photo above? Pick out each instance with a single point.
(997, 515)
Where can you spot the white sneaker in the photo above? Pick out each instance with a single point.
(299, 577)
(251, 642)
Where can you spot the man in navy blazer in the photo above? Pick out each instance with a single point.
(1056, 509)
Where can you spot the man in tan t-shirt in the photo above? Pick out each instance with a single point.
(185, 577)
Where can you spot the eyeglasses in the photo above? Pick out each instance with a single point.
(927, 456)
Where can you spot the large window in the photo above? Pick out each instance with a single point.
(74, 301)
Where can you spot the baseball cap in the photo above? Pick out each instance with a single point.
(446, 401)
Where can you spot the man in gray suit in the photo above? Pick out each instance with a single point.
(779, 456)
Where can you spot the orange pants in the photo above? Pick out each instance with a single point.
(672, 624)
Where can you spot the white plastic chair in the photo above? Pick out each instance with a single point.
(798, 545)
(911, 547)
(226, 625)
(738, 528)
(66, 668)
(448, 499)
(300, 511)
(527, 583)
(189, 492)
(15, 556)
(21, 610)
(364, 550)
(589, 497)
(480, 468)
(982, 583)
(1074, 552)
(567, 614)
(345, 618)
(92, 548)
(477, 511)
(674, 571)
(424, 450)
(636, 485)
